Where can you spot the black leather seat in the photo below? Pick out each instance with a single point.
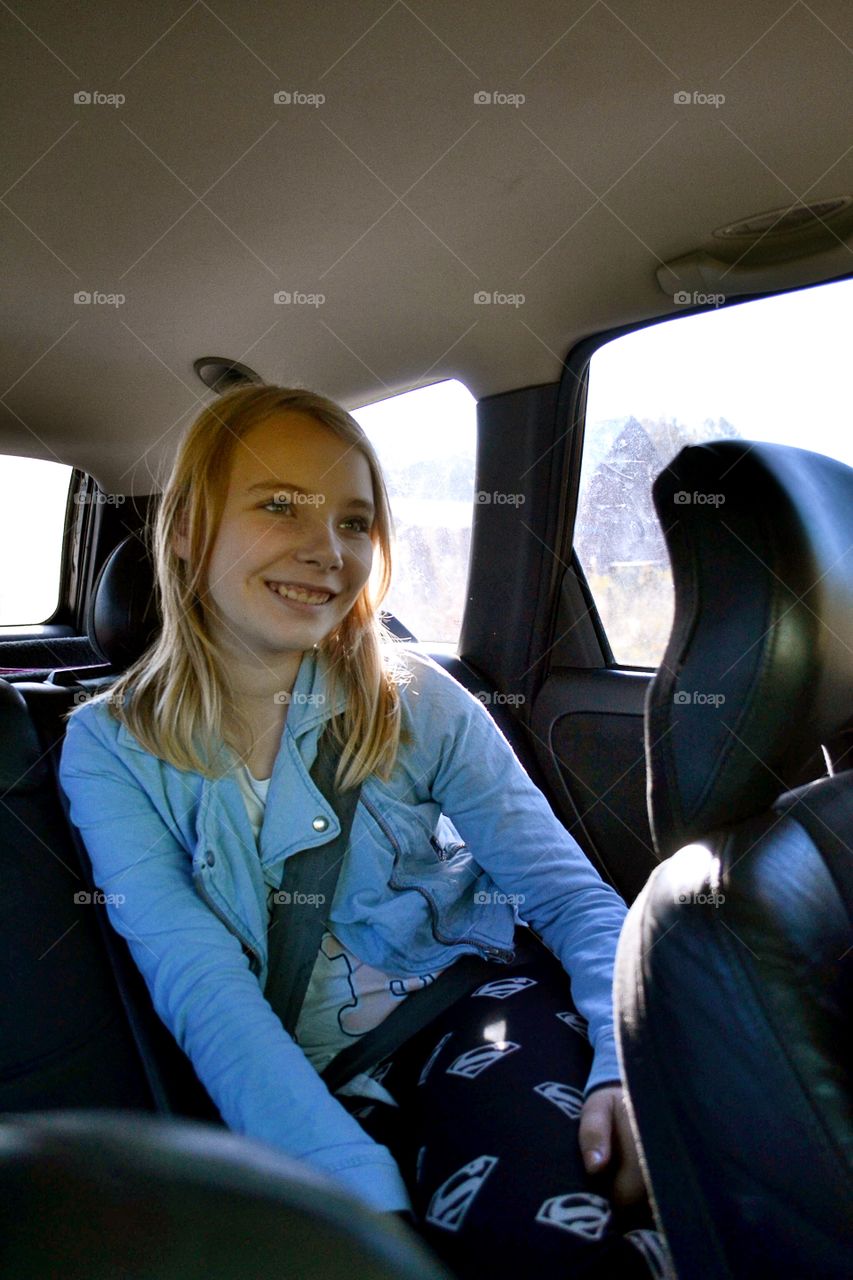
(733, 983)
(101, 1196)
(64, 1037)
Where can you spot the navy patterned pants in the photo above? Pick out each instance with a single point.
(485, 1134)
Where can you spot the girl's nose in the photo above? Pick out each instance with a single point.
(321, 547)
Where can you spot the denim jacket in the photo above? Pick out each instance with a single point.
(443, 859)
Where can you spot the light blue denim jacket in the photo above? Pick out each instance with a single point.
(442, 860)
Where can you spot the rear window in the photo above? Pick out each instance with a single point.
(427, 444)
(32, 522)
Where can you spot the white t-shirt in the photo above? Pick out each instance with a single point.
(345, 997)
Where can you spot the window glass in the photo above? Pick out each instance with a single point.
(426, 441)
(32, 523)
(775, 370)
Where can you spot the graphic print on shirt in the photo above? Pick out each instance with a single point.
(349, 997)
(365, 995)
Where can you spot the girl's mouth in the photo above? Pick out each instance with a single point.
(300, 595)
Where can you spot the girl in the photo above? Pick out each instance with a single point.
(501, 1127)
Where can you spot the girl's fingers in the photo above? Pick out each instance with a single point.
(596, 1128)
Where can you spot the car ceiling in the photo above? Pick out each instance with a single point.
(397, 199)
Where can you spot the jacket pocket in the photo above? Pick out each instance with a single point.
(431, 858)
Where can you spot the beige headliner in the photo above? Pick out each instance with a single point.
(398, 198)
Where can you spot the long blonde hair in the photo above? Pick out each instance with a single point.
(173, 698)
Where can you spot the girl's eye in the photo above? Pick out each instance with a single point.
(278, 504)
(360, 523)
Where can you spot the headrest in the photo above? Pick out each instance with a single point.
(124, 619)
(758, 671)
(99, 1194)
(23, 767)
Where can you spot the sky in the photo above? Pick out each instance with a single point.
(431, 422)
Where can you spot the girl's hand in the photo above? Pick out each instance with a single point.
(606, 1142)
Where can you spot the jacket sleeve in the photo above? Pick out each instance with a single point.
(515, 837)
(200, 981)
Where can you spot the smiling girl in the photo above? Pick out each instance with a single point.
(500, 1127)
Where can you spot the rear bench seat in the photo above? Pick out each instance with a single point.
(77, 1025)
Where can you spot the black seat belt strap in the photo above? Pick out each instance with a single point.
(301, 907)
(420, 1008)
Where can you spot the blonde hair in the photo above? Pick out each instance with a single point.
(173, 698)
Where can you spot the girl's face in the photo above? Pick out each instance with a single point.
(293, 549)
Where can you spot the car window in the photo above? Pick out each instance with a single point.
(32, 521)
(774, 370)
(426, 441)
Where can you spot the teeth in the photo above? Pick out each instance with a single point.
(300, 594)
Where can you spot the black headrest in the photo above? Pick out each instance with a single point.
(124, 619)
(758, 671)
(23, 766)
(93, 1195)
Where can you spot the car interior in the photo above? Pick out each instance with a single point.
(622, 234)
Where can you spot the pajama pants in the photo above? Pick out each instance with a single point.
(485, 1134)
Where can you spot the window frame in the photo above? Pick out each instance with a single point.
(572, 404)
(61, 622)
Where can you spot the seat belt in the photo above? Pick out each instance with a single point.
(301, 907)
(422, 1007)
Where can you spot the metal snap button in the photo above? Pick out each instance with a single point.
(320, 823)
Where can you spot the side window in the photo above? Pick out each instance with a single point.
(774, 370)
(32, 523)
(427, 441)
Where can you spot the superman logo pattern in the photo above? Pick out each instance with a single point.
(453, 1199)
(569, 1100)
